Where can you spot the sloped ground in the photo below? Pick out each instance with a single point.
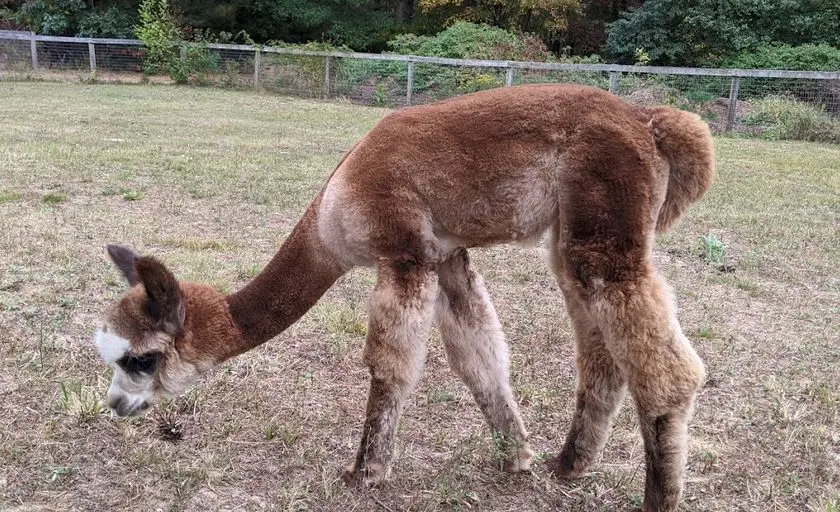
(211, 181)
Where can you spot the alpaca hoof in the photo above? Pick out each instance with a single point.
(561, 469)
(521, 462)
(369, 477)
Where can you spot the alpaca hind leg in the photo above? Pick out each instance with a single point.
(477, 352)
(600, 390)
(400, 317)
(664, 375)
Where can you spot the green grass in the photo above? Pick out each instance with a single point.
(53, 198)
(221, 179)
(9, 195)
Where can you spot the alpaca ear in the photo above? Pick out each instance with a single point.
(165, 305)
(124, 258)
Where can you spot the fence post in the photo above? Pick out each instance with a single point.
(508, 77)
(92, 55)
(327, 61)
(733, 102)
(183, 53)
(614, 77)
(410, 87)
(33, 48)
(257, 64)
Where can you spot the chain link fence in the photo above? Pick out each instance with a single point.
(727, 98)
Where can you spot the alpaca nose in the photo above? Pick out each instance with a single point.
(124, 407)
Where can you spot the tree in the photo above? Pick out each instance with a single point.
(547, 18)
(700, 32)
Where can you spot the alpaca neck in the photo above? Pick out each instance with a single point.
(292, 282)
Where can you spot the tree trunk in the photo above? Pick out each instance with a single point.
(403, 10)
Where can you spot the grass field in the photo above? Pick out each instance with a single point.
(211, 181)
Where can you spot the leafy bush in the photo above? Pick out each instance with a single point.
(159, 33)
(465, 40)
(806, 57)
(194, 66)
(52, 17)
(789, 119)
(701, 32)
(113, 22)
(462, 40)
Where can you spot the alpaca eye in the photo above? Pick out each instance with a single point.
(146, 363)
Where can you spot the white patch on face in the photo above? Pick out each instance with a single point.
(129, 396)
(110, 346)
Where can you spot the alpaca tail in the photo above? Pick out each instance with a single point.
(686, 141)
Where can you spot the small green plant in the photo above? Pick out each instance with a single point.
(270, 431)
(705, 332)
(66, 302)
(641, 57)
(8, 196)
(828, 505)
(504, 448)
(472, 82)
(714, 250)
(248, 271)
(380, 95)
(129, 194)
(78, 400)
(441, 396)
(53, 198)
(58, 472)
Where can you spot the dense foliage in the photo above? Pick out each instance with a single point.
(806, 57)
(472, 41)
(704, 32)
(789, 119)
(798, 34)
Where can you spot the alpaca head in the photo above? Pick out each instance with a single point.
(143, 336)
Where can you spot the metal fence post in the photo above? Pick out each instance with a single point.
(92, 55)
(33, 48)
(410, 86)
(733, 102)
(257, 64)
(614, 77)
(508, 77)
(327, 61)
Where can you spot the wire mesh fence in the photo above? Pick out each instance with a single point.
(728, 99)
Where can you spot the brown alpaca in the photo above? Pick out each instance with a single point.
(423, 186)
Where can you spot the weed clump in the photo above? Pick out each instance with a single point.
(789, 119)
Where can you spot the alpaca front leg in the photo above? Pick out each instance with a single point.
(400, 319)
(477, 352)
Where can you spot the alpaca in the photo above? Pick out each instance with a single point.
(426, 184)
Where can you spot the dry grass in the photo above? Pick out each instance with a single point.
(211, 181)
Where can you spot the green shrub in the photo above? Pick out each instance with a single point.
(789, 119)
(194, 67)
(159, 33)
(806, 57)
(464, 40)
(113, 22)
(52, 17)
(161, 36)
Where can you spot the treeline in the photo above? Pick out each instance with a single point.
(797, 34)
